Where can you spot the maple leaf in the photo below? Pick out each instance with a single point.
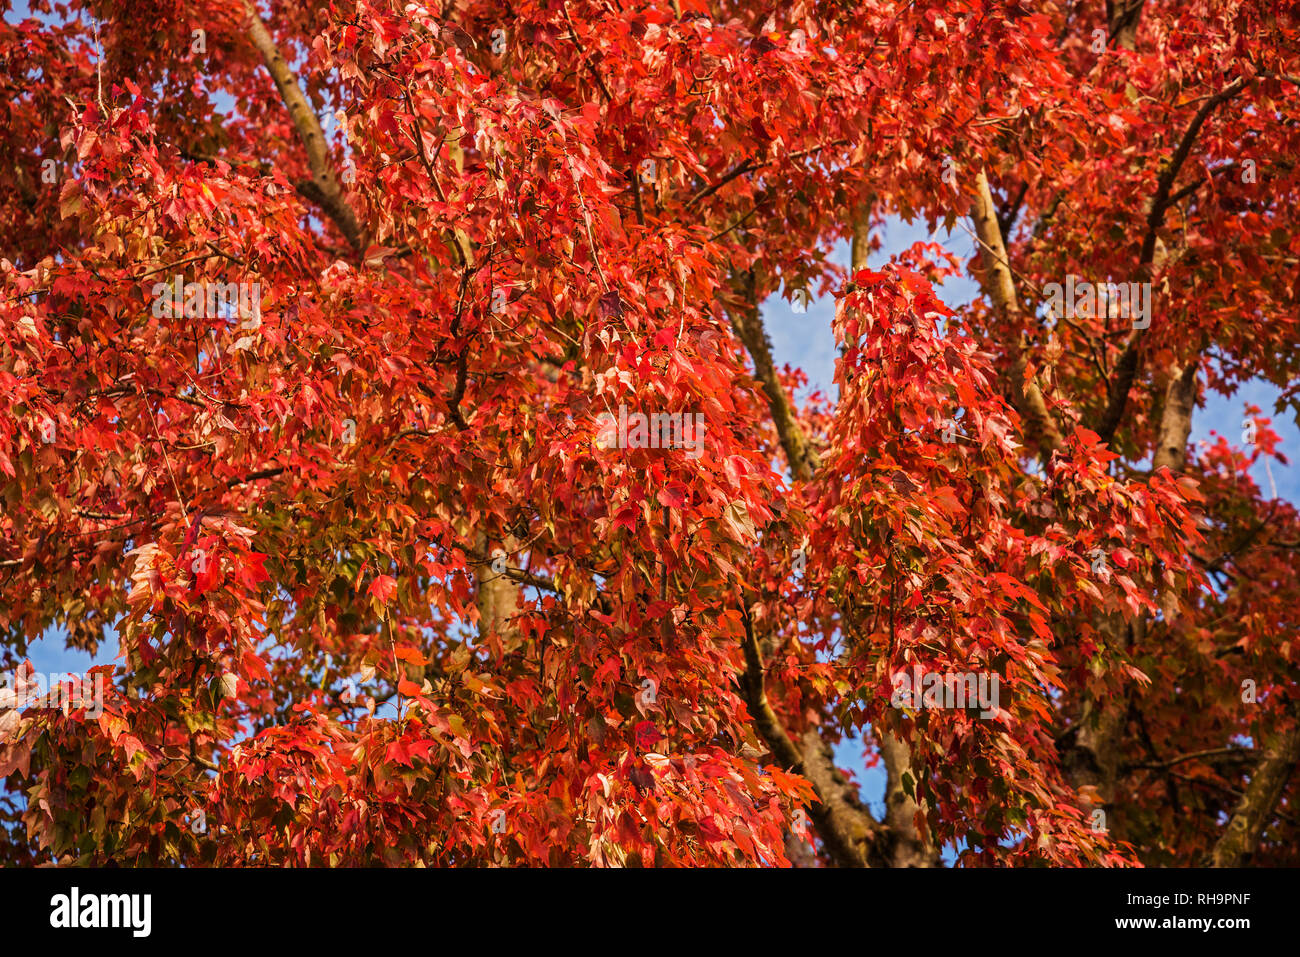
(382, 588)
(647, 735)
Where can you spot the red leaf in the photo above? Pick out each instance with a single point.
(382, 588)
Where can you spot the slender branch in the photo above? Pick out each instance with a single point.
(1233, 754)
(749, 165)
(848, 830)
(1161, 202)
(582, 55)
(708, 191)
(463, 255)
(524, 577)
(1126, 368)
(255, 476)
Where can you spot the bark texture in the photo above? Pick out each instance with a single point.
(1255, 809)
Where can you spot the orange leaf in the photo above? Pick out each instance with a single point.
(407, 653)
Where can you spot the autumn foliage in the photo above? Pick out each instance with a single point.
(384, 594)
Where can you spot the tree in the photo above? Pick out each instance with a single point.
(392, 379)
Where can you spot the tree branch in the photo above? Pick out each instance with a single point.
(1255, 809)
(323, 188)
(1123, 16)
(799, 452)
(1126, 369)
(1027, 394)
(851, 835)
(1231, 754)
